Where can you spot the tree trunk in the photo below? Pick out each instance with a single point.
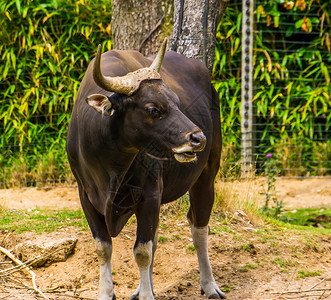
(140, 25)
(195, 24)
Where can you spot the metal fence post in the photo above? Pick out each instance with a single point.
(247, 124)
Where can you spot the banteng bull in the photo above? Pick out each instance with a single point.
(142, 135)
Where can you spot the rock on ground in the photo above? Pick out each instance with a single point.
(47, 250)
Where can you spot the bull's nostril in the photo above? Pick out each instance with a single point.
(194, 139)
(197, 139)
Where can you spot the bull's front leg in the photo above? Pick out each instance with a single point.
(143, 273)
(147, 214)
(104, 252)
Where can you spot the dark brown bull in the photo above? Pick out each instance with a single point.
(142, 135)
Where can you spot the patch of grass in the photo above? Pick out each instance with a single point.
(219, 230)
(247, 247)
(283, 262)
(41, 220)
(191, 249)
(273, 244)
(247, 267)
(162, 239)
(280, 225)
(311, 243)
(263, 239)
(237, 238)
(226, 288)
(227, 229)
(305, 273)
(316, 217)
(216, 231)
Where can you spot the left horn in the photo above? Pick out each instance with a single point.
(113, 84)
(156, 64)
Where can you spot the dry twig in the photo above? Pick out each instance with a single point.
(25, 268)
(302, 291)
(27, 263)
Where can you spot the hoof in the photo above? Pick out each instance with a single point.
(107, 297)
(216, 295)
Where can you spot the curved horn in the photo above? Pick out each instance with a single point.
(112, 84)
(156, 64)
(129, 83)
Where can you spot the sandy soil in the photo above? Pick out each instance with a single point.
(248, 264)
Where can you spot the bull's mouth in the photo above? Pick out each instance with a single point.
(185, 157)
(184, 154)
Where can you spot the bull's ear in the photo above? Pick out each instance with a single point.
(101, 104)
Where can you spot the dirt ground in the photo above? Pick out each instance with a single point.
(257, 262)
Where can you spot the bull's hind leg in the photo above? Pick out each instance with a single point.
(201, 202)
(103, 246)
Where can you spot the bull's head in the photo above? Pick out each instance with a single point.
(149, 112)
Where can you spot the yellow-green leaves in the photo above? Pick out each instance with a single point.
(45, 47)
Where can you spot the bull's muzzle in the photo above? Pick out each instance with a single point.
(196, 142)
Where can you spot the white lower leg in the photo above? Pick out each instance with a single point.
(200, 242)
(104, 251)
(143, 255)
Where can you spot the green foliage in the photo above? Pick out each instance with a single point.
(162, 239)
(306, 273)
(284, 262)
(291, 83)
(40, 221)
(45, 47)
(226, 73)
(270, 191)
(247, 267)
(191, 249)
(317, 217)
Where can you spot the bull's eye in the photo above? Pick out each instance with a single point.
(153, 111)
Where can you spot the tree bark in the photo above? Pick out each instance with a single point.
(195, 24)
(140, 25)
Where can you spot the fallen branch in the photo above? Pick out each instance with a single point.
(25, 268)
(9, 295)
(70, 296)
(315, 285)
(302, 291)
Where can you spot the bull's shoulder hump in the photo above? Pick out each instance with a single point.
(176, 58)
(187, 72)
(174, 61)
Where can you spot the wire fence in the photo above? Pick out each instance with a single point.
(46, 49)
(290, 86)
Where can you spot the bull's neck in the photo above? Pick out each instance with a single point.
(108, 175)
(121, 162)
